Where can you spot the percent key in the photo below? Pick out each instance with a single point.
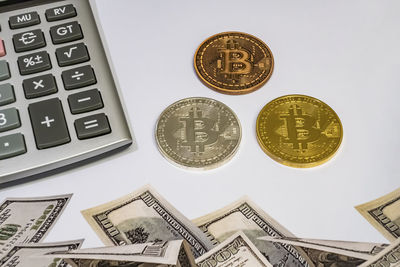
(34, 63)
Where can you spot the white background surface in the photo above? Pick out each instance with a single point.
(345, 53)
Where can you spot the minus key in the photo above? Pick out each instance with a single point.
(85, 101)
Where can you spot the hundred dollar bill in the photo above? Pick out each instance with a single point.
(389, 257)
(384, 214)
(169, 253)
(360, 250)
(244, 215)
(235, 251)
(144, 216)
(28, 255)
(329, 252)
(28, 220)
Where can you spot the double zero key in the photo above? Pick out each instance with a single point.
(48, 123)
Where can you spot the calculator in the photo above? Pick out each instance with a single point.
(59, 101)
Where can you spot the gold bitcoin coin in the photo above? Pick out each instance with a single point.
(198, 133)
(234, 62)
(299, 131)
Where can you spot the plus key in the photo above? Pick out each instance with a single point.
(48, 123)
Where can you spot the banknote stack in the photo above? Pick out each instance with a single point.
(143, 229)
(24, 222)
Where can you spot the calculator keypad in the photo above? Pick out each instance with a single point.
(78, 77)
(29, 40)
(47, 117)
(4, 70)
(48, 122)
(39, 86)
(34, 63)
(9, 119)
(92, 126)
(7, 95)
(12, 145)
(72, 54)
(61, 12)
(2, 48)
(24, 20)
(85, 101)
(67, 32)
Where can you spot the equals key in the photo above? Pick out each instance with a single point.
(92, 126)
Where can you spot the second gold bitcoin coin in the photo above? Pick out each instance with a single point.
(198, 133)
(299, 131)
(234, 62)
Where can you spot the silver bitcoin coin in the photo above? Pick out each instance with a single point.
(198, 133)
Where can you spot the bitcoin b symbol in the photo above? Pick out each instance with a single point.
(199, 131)
(300, 128)
(235, 60)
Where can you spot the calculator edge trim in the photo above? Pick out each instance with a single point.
(106, 49)
(55, 166)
